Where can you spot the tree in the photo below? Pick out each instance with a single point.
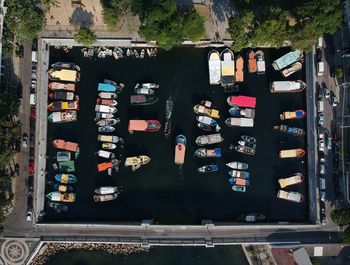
(240, 28)
(339, 72)
(193, 26)
(85, 36)
(50, 3)
(112, 9)
(341, 217)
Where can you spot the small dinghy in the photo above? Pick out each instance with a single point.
(106, 129)
(109, 146)
(208, 168)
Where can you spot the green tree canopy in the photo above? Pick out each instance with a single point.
(240, 27)
(85, 36)
(341, 217)
(193, 26)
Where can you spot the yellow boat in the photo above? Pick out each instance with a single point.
(290, 180)
(64, 75)
(200, 109)
(136, 162)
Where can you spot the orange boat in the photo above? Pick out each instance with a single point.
(180, 149)
(57, 86)
(251, 62)
(104, 166)
(65, 145)
(291, 153)
(144, 125)
(239, 69)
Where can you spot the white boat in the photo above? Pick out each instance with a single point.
(144, 91)
(292, 196)
(209, 139)
(107, 190)
(227, 68)
(260, 62)
(295, 67)
(287, 86)
(237, 165)
(214, 67)
(240, 122)
(107, 95)
(293, 179)
(287, 59)
(105, 154)
(105, 109)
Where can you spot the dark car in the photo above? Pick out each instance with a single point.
(20, 51)
(29, 207)
(16, 172)
(30, 183)
(318, 55)
(31, 153)
(32, 140)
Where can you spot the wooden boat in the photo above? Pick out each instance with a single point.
(102, 115)
(66, 166)
(247, 143)
(260, 64)
(136, 162)
(63, 65)
(208, 168)
(206, 120)
(251, 62)
(107, 190)
(208, 128)
(106, 197)
(65, 145)
(105, 109)
(239, 69)
(239, 181)
(295, 67)
(212, 113)
(237, 165)
(241, 101)
(107, 95)
(239, 174)
(180, 149)
(57, 86)
(142, 100)
(107, 122)
(61, 197)
(292, 196)
(287, 86)
(227, 68)
(292, 153)
(65, 178)
(64, 75)
(245, 150)
(290, 115)
(63, 105)
(203, 152)
(251, 217)
(62, 116)
(292, 179)
(290, 130)
(214, 66)
(209, 139)
(108, 138)
(107, 102)
(106, 129)
(109, 146)
(61, 187)
(63, 156)
(144, 126)
(62, 95)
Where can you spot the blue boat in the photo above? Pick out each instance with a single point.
(235, 111)
(65, 178)
(61, 187)
(208, 168)
(239, 181)
(106, 87)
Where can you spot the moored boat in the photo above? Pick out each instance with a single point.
(292, 196)
(107, 102)
(107, 122)
(239, 181)
(251, 62)
(62, 95)
(105, 154)
(63, 156)
(239, 174)
(61, 197)
(241, 101)
(62, 116)
(105, 109)
(109, 146)
(147, 85)
(227, 68)
(63, 105)
(245, 150)
(290, 130)
(287, 86)
(180, 149)
(260, 64)
(64, 75)
(241, 122)
(106, 197)
(200, 109)
(106, 129)
(203, 152)
(208, 168)
(247, 143)
(61, 187)
(235, 111)
(108, 138)
(57, 86)
(251, 217)
(290, 115)
(107, 190)
(65, 145)
(143, 100)
(295, 67)
(144, 125)
(209, 139)
(104, 166)
(214, 65)
(144, 91)
(206, 120)
(292, 179)
(239, 188)
(208, 128)
(136, 162)
(62, 65)
(102, 115)
(103, 87)
(66, 166)
(119, 87)
(239, 69)
(287, 59)
(142, 54)
(237, 165)
(107, 95)
(65, 178)
(291, 153)
(247, 138)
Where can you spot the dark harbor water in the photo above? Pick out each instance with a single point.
(160, 255)
(159, 190)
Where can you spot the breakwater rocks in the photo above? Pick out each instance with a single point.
(50, 249)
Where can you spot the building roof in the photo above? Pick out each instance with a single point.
(301, 257)
(285, 256)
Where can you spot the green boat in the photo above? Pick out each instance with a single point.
(62, 116)
(77, 153)
(66, 166)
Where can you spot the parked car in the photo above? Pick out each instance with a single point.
(327, 92)
(30, 208)
(33, 74)
(32, 140)
(31, 167)
(31, 153)
(321, 145)
(334, 101)
(323, 196)
(320, 119)
(16, 172)
(322, 169)
(318, 55)
(30, 183)
(329, 143)
(25, 140)
(33, 84)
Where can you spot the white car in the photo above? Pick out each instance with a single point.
(327, 92)
(334, 101)
(322, 169)
(321, 145)
(329, 143)
(323, 196)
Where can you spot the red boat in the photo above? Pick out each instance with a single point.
(242, 101)
(107, 102)
(65, 145)
(144, 125)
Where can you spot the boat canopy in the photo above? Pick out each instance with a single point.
(243, 101)
(286, 86)
(106, 87)
(137, 125)
(214, 67)
(290, 181)
(180, 150)
(261, 66)
(286, 60)
(65, 75)
(291, 196)
(289, 153)
(56, 116)
(66, 166)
